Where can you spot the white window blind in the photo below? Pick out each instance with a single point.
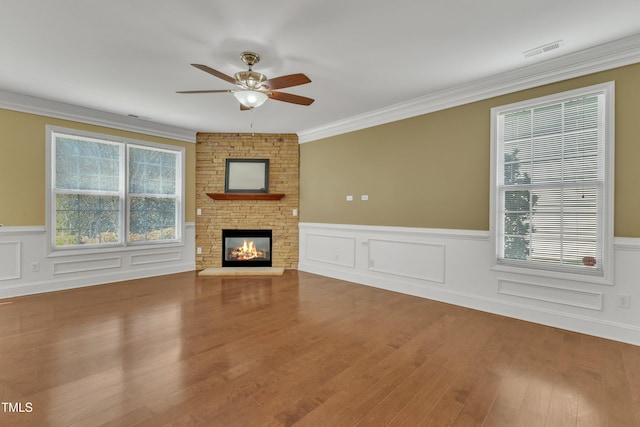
(551, 174)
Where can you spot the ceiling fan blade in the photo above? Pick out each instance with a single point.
(287, 81)
(204, 91)
(216, 73)
(288, 97)
(244, 108)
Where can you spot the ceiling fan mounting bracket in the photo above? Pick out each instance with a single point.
(250, 58)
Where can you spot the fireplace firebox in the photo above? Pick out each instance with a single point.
(246, 248)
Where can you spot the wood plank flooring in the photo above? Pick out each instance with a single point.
(300, 350)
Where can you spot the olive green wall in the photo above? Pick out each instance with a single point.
(22, 165)
(432, 171)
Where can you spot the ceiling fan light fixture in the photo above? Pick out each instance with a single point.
(251, 98)
(250, 79)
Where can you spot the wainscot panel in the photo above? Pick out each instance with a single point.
(572, 297)
(10, 264)
(334, 250)
(408, 259)
(155, 257)
(88, 264)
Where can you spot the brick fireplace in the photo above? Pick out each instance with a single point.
(212, 151)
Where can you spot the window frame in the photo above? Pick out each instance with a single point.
(123, 193)
(605, 275)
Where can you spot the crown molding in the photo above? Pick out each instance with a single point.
(603, 57)
(59, 110)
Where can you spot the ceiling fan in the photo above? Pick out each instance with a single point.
(254, 88)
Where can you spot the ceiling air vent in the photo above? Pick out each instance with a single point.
(543, 49)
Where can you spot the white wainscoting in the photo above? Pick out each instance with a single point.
(454, 266)
(26, 269)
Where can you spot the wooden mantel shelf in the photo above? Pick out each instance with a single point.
(246, 196)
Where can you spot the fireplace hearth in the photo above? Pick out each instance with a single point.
(246, 248)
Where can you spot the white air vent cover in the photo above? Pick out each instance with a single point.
(543, 49)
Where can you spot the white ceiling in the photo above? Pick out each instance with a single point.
(128, 57)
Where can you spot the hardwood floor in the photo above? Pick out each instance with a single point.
(298, 349)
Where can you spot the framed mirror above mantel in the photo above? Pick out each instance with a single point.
(246, 179)
(246, 176)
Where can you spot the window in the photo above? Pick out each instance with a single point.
(553, 176)
(106, 191)
(152, 194)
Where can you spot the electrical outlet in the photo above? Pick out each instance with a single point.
(624, 300)
(35, 266)
(199, 251)
(371, 263)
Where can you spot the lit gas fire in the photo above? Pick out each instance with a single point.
(246, 252)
